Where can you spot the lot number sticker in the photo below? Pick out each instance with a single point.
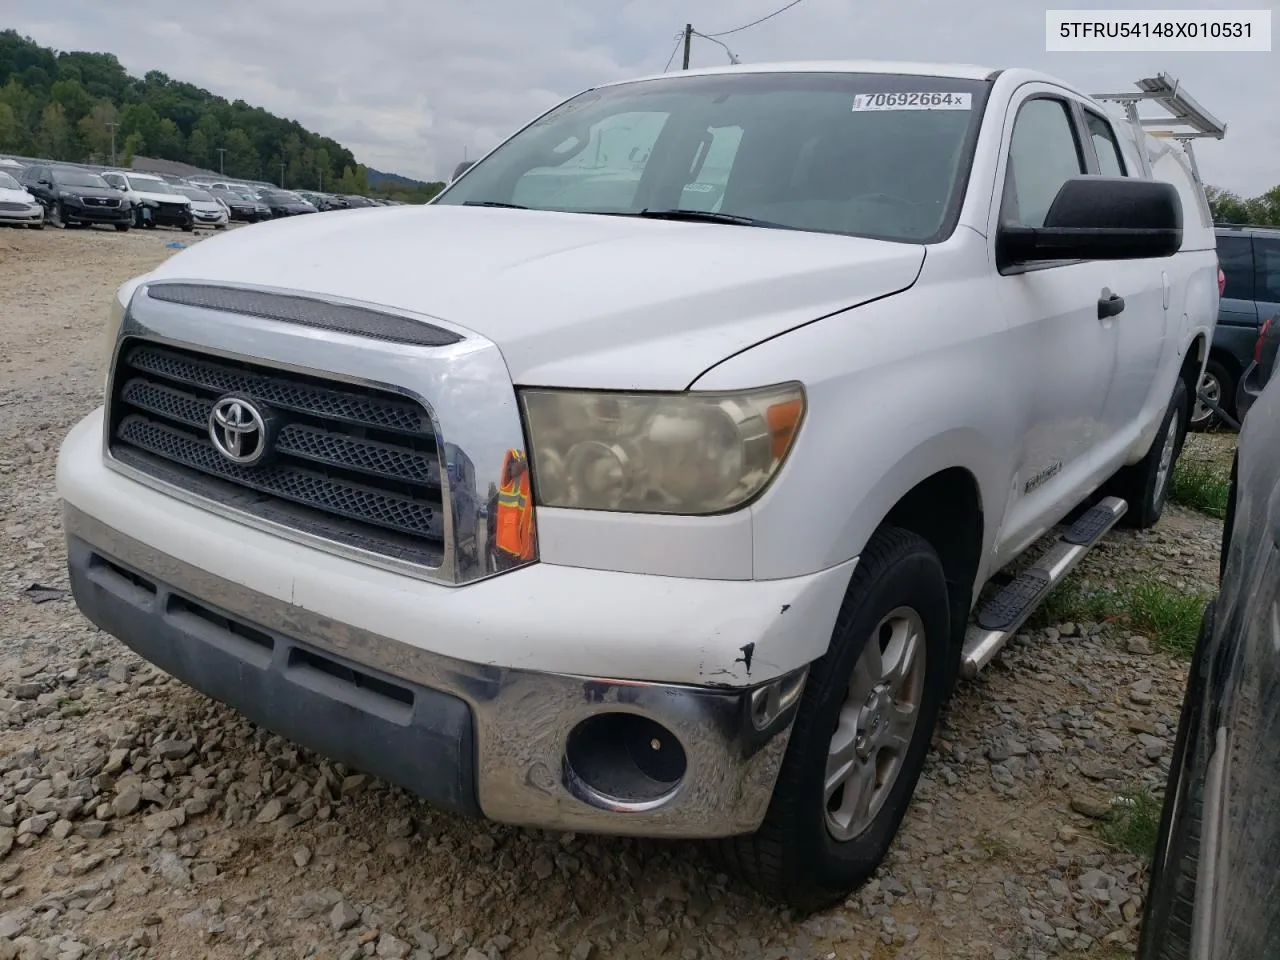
(912, 101)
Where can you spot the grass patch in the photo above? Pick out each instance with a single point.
(1136, 824)
(1169, 617)
(1202, 486)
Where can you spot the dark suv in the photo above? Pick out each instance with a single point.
(1250, 259)
(73, 196)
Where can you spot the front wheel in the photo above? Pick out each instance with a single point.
(1146, 484)
(861, 733)
(122, 228)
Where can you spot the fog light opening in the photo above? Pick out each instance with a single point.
(622, 761)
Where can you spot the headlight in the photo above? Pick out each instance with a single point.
(686, 453)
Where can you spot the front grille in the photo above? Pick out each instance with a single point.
(353, 465)
(100, 202)
(10, 205)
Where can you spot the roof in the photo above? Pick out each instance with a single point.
(1246, 227)
(956, 71)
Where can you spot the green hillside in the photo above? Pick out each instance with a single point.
(64, 105)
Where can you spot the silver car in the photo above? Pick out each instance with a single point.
(17, 207)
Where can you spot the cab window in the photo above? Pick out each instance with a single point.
(1043, 155)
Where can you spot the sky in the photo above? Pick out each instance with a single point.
(414, 86)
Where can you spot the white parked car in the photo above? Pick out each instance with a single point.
(658, 511)
(17, 206)
(155, 201)
(206, 209)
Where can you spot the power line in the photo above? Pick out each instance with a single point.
(733, 57)
(725, 33)
(679, 40)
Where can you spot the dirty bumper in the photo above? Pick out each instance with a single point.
(468, 737)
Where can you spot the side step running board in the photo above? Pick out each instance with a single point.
(1005, 613)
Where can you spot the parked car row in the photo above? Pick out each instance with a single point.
(68, 195)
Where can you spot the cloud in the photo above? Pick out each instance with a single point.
(411, 86)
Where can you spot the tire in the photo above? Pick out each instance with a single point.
(187, 227)
(1220, 384)
(795, 856)
(1171, 890)
(37, 226)
(1146, 484)
(122, 227)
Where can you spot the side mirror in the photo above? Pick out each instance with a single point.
(462, 168)
(1100, 218)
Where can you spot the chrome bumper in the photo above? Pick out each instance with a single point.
(734, 739)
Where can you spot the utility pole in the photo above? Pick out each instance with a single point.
(688, 42)
(222, 154)
(282, 166)
(113, 126)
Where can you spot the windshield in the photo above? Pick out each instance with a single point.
(283, 196)
(862, 154)
(79, 178)
(148, 185)
(196, 194)
(8, 183)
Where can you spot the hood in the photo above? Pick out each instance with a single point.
(9, 195)
(571, 300)
(206, 206)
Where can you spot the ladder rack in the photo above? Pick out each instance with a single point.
(1186, 121)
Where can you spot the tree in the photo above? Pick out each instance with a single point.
(95, 129)
(8, 127)
(242, 159)
(168, 143)
(133, 144)
(198, 150)
(55, 137)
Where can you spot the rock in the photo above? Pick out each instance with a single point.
(34, 445)
(204, 872)
(343, 916)
(1090, 807)
(6, 841)
(126, 802)
(400, 827)
(484, 843)
(172, 749)
(1139, 646)
(543, 868)
(272, 810)
(301, 857)
(389, 946)
(585, 950)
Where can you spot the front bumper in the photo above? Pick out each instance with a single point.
(276, 628)
(82, 214)
(34, 214)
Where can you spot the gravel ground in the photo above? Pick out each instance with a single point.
(138, 819)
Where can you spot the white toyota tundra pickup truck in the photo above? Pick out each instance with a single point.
(646, 481)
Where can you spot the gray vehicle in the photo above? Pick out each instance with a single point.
(1262, 366)
(1212, 883)
(1250, 261)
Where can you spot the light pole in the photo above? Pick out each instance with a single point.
(282, 166)
(112, 125)
(222, 153)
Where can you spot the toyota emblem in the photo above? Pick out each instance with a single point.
(238, 430)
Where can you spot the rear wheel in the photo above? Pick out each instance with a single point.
(122, 227)
(1219, 385)
(1146, 484)
(861, 732)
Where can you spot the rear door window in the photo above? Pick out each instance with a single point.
(1235, 256)
(1266, 258)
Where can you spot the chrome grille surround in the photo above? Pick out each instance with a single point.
(462, 389)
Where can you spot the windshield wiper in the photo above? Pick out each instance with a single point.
(493, 203)
(707, 216)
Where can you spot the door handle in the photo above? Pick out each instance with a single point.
(1109, 305)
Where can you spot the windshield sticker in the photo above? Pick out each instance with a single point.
(700, 187)
(912, 101)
